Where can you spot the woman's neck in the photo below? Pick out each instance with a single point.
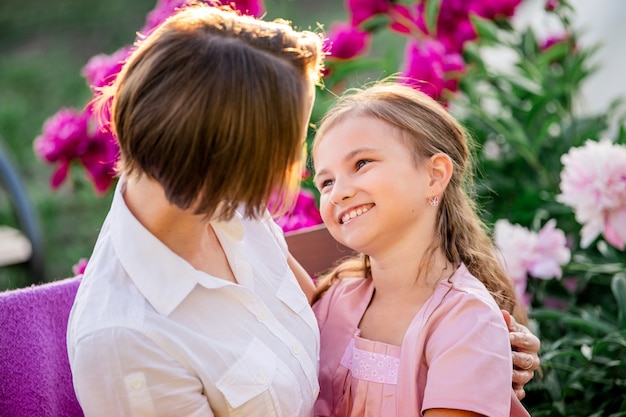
(146, 199)
(188, 235)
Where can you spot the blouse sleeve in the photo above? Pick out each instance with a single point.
(468, 356)
(278, 234)
(121, 372)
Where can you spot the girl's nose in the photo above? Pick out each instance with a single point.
(340, 192)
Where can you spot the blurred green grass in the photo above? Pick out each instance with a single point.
(43, 47)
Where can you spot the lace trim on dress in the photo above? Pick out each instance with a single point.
(370, 366)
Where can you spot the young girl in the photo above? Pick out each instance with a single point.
(423, 332)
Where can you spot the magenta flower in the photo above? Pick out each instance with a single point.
(70, 136)
(551, 5)
(254, 8)
(553, 40)
(454, 27)
(524, 253)
(345, 41)
(492, 9)
(593, 184)
(428, 67)
(63, 134)
(361, 10)
(162, 10)
(304, 214)
(100, 158)
(79, 267)
(102, 69)
(406, 19)
(165, 8)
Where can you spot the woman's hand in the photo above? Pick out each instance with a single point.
(525, 346)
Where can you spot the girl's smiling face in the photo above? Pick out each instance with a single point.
(372, 193)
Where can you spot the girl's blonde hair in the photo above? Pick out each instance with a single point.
(427, 129)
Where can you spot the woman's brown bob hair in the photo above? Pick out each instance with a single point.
(214, 106)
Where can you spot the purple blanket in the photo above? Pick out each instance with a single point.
(35, 378)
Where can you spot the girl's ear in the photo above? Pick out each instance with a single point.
(441, 168)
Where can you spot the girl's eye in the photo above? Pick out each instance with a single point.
(324, 184)
(361, 163)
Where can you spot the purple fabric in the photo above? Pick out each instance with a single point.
(35, 377)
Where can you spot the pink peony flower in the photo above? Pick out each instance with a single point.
(102, 69)
(361, 10)
(304, 213)
(523, 252)
(345, 41)
(593, 184)
(550, 252)
(428, 67)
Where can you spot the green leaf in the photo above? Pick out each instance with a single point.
(554, 53)
(588, 325)
(432, 14)
(618, 286)
(486, 29)
(376, 22)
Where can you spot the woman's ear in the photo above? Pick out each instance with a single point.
(441, 168)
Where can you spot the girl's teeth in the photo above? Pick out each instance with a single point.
(353, 214)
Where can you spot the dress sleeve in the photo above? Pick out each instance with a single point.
(322, 306)
(469, 358)
(120, 372)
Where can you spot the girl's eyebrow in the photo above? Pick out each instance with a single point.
(350, 155)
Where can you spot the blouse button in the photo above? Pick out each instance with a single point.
(296, 349)
(260, 378)
(261, 315)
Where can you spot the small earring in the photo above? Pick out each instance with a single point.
(433, 200)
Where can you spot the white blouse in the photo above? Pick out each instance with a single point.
(149, 335)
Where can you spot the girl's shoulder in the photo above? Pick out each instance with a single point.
(462, 284)
(461, 298)
(346, 294)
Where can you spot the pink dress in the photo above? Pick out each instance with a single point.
(371, 380)
(455, 354)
